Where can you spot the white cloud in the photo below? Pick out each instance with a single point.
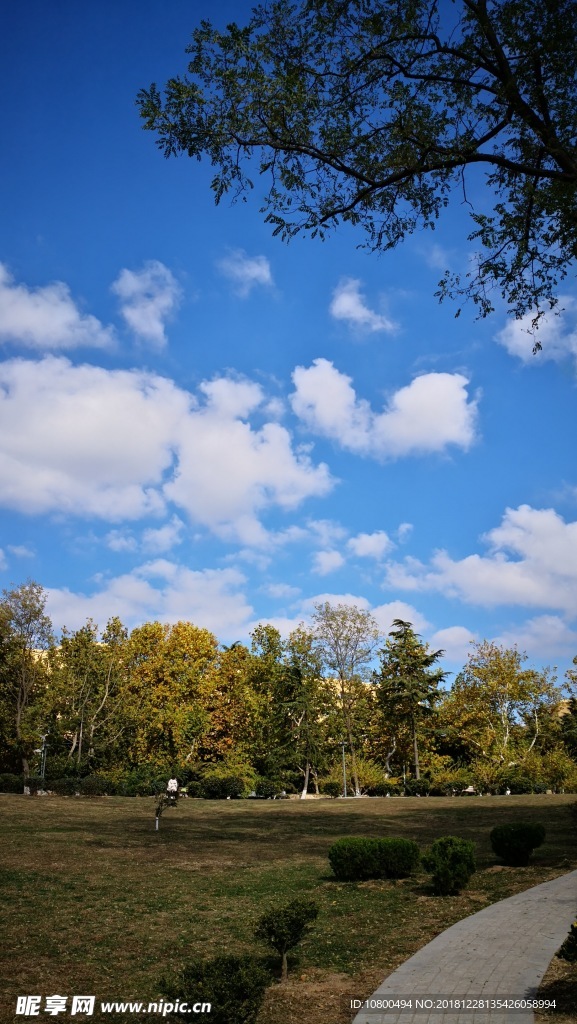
(47, 317)
(211, 598)
(325, 562)
(455, 641)
(281, 591)
(228, 471)
(385, 614)
(309, 604)
(349, 305)
(20, 551)
(557, 334)
(245, 272)
(325, 532)
(121, 541)
(117, 444)
(545, 636)
(532, 562)
(85, 440)
(164, 537)
(435, 256)
(155, 540)
(427, 415)
(370, 545)
(3, 562)
(148, 297)
(404, 531)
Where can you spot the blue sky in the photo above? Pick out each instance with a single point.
(199, 421)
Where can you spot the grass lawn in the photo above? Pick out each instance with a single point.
(96, 902)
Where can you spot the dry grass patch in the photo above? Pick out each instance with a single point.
(96, 902)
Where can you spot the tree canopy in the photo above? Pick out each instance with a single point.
(373, 112)
(121, 711)
(407, 682)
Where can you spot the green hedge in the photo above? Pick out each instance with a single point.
(233, 985)
(64, 787)
(451, 862)
(356, 859)
(514, 844)
(95, 785)
(10, 783)
(219, 787)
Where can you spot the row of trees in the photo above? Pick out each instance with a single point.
(166, 698)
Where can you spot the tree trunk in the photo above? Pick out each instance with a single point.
(284, 972)
(415, 749)
(351, 742)
(306, 781)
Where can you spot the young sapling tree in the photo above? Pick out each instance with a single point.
(283, 928)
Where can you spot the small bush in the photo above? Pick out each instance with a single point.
(390, 787)
(283, 928)
(353, 859)
(266, 788)
(451, 862)
(130, 783)
(34, 783)
(158, 786)
(95, 785)
(194, 789)
(441, 789)
(64, 787)
(330, 787)
(11, 783)
(233, 985)
(568, 950)
(356, 859)
(219, 787)
(514, 844)
(396, 858)
(417, 787)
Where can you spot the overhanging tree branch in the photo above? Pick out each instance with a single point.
(372, 115)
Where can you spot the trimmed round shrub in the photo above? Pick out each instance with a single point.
(417, 787)
(451, 862)
(353, 859)
(331, 788)
(514, 844)
(194, 788)
(396, 858)
(356, 859)
(233, 985)
(64, 787)
(390, 787)
(219, 787)
(95, 785)
(266, 788)
(11, 783)
(441, 789)
(35, 783)
(518, 783)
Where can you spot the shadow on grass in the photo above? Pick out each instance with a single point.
(563, 991)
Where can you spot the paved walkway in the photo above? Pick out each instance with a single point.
(503, 951)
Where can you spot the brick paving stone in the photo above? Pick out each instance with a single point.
(502, 951)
